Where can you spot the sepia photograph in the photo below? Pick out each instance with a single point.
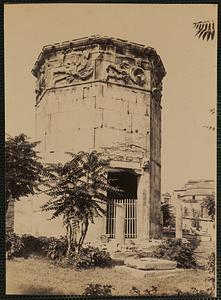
(110, 149)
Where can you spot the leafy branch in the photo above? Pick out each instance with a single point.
(211, 127)
(205, 29)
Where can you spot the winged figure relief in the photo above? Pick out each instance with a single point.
(78, 67)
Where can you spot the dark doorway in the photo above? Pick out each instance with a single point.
(125, 181)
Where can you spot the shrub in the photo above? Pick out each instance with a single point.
(211, 268)
(32, 245)
(153, 291)
(26, 245)
(54, 248)
(211, 263)
(14, 245)
(134, 291)
(100, 258)
(98, 290)
(177, 250)
(193, 293)
(147, 292)
(88, 257)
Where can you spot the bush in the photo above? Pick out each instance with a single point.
(88, 257)
(26, 245)
(153, 291)
(100, 258)
(54, 248)
(211, 263)
(148, 292)
(211, 268)
(32, 245)
(177, 250)
(98, 290)
(193, 293)
(14, 245)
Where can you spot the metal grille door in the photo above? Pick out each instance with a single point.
(111, 220)
(130, 218)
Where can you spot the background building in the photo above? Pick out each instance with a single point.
(195, 217)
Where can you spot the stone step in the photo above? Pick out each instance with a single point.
(146, 273)
(149, 263)
(119, 257)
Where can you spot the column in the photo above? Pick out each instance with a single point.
(102, 222)
(179, 218)
(143, 207)
(120, 224)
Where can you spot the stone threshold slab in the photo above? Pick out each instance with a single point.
(149, 263)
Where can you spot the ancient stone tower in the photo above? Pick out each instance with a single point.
(104, 93)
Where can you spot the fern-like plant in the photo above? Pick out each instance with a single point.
(78, 193)
(205, 29)
(211, 126)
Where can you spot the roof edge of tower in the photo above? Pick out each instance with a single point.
(100, 40)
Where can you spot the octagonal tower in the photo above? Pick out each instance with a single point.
(104, 93)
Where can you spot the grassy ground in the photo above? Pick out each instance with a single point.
(38, 276)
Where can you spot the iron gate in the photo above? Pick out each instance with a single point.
(130, 218)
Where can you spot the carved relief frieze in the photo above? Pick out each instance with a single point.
(68, 66)
(76, 61)
(128, 71)
(76, 66)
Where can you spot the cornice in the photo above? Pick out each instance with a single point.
(119, 46)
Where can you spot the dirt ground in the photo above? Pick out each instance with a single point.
(38, 276)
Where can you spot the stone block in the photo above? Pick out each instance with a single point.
(144, 274)
(140, 107)
(83, 139)
(149, 263)
(131, 96)
(113, 104)
(140, 123)
(120, 257)
(108, 137)
(127, 122)
(90, 90)
(113, 120)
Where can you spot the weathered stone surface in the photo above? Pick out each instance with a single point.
(118, 257)
(104, 94)
(149, 263)
(146, 273)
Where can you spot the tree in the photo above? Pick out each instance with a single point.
(205, 29)
(168, 216)
(78, 192)
(209, 203)
(23, 168)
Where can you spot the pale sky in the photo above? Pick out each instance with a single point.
(189, 88)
